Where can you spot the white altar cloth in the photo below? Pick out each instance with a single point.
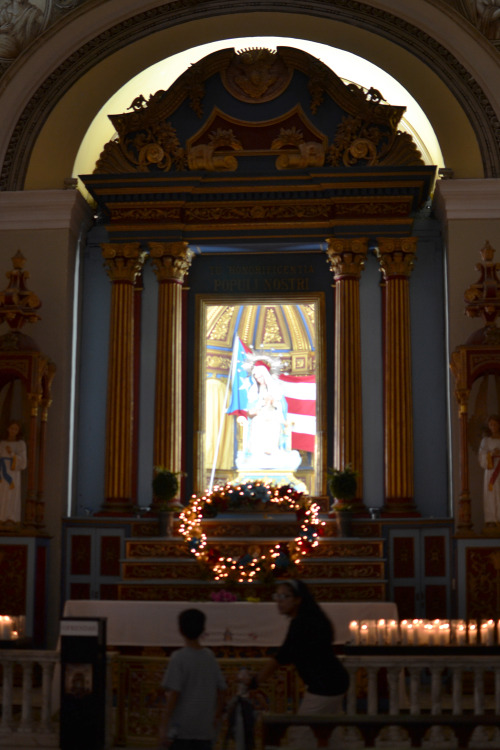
(134, 623)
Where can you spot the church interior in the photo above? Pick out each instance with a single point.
(250, 245)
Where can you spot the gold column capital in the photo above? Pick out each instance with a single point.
(171, 260)
(396, 255)
(123, 261)
(346, 256)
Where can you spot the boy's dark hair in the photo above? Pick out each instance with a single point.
(191, 623)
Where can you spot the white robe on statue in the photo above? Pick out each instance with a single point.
(491, 491)
(11, 465)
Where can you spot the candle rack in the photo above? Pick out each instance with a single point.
(424, 633)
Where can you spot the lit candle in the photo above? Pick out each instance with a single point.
(472, 631)
(6, 627)
(411, 634)
(392, 632)
(460, 632)
(418, 632)
(381, 632)
(487, 632)
(364, 634)
(354, 632)
(404, 627)
(428, 634)
(444, 634)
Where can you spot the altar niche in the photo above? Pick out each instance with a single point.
(259, 390)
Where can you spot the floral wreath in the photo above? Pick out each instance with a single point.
(251, 496)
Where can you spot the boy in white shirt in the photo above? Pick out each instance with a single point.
(195, 690)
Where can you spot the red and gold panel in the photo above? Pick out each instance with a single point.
(483, 582)
(13, 578)
(404, 557)
(110, 555)
(80, 555)
(435, 556)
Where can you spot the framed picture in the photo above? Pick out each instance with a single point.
(259, 391)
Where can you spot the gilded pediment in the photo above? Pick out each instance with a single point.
(234, 111)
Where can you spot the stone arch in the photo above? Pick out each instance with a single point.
(470, 96)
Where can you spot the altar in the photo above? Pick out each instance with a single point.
(258, 624)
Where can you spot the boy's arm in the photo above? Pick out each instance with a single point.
(171, 698)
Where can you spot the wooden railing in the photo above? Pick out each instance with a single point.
(447, 699)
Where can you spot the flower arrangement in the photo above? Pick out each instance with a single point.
(341, 507)
(165, 486)
(253, 565)
(223, 596)
(343, 485)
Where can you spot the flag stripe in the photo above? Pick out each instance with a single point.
(297, 406)
(301, 423)
(302, 442)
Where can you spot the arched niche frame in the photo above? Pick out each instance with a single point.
(23, 365)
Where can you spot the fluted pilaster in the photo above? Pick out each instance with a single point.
(396, 256)
(458, 365)
(347, 259)
(123, 263)
(171, 262)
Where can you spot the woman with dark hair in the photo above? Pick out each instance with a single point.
(309, 646)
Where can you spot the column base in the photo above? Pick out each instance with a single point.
(116, 506)
(400, 507)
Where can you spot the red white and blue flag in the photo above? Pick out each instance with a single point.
(300, 394)
(239, 379)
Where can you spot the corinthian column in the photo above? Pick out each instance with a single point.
(396, 256)
(171, 262)
(123, 263)
(347, 259)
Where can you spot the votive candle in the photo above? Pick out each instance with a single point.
(472, 632)
(364, 635)
(460, 633)
(392, 632)
(487, 632)
(354, 632)
(381, 632)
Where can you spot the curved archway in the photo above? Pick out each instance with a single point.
(461, 112)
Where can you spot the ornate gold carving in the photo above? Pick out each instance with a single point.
(171, 260)
(145, 140)
(17, 303)
(203, 156)
(396, 255)
(123, 262)
(252, 212)
(272, 331)
(256, 75)
(144, 212)
(220, 362)
(369, 133)
(483, 297)
(220, 330)
(346, 257)
(369, 207)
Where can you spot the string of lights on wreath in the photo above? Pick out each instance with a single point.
(254, 565)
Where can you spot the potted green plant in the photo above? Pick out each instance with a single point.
(165, 486)
(343, 485)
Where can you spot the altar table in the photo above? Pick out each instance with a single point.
(133, 623)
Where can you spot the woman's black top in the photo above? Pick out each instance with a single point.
(308, 645)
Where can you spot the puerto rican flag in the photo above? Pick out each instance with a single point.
(239, 379)
(300, 394)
